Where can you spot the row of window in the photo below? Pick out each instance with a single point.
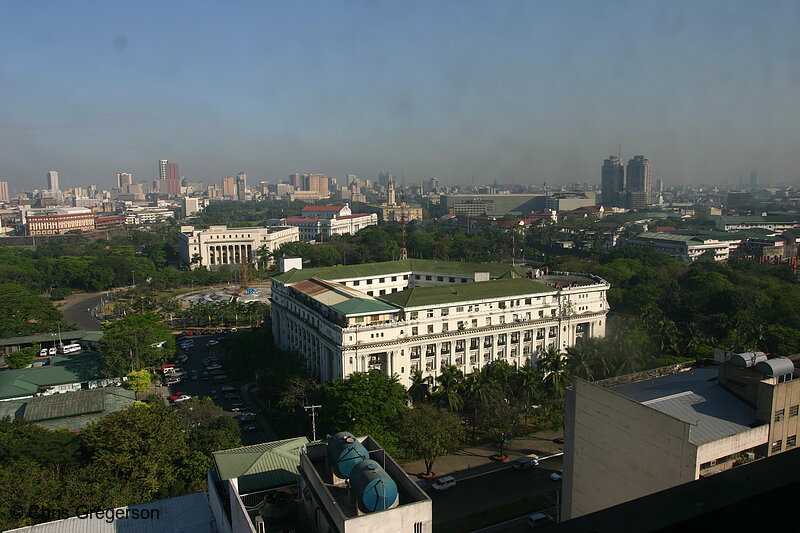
(780, 413)
(791, 442)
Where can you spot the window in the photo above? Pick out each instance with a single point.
(359, 319)
(452, 280)
(779, 415)
(369, 293)
(446, 311)
(381, 280)
(416, 276)
(439, 278)
(394, 278)
(541, 314)
(791, 442)
(777, 446)
(793, 411)
(445, 326)
(488, 321)
(414, 315)
(430, 313)
(430, 328)
(428, 278)
(383, 291)
(460, 309)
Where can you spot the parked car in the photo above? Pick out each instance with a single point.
(524, 463)
(178, 395)
(212, 342)
(250, 428)
(537, 520)
(214, 367)
(556, 476)
(52, 351)
(173, 381)
(444, 483)
(228, 388)
(246, 417)
(43, 352)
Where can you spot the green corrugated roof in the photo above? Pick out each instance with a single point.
(47, 338)
(355, 306)
(114, 399)
(673, 237)
(455, 268)
(261, 466)
(75, 368)
(423, 296)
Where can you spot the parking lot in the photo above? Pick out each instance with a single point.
(234, 397)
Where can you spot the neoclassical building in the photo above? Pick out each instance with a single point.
(221, 245)
(399, 316)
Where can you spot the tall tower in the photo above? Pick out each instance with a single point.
(162, 169)
(640, 177)
(228, 186)
(612, 182)
(4, 191)
(241, 183)
(391, 199)
(124, 179)
(52, 180)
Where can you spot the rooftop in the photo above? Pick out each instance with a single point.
(190, 512)
(46, 338)
(441, 294)
(672, 237)
(64, 369)
(496, 270)
(261, 466)
(336, 208)
(695, 397)
(340, 297)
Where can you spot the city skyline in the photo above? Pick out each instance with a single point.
(518, 93)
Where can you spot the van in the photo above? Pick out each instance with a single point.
(538, 520)
(52, 351)
(444, 483)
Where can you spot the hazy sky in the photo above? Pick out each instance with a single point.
(521, 92)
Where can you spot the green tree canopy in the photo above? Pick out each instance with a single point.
(429, 432)
(136, 341)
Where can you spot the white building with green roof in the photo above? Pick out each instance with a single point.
(413, 314)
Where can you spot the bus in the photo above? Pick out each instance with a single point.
(70, 348)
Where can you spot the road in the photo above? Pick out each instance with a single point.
(499, 487)
(80, 312)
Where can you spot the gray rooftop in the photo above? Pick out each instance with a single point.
(190, 513)
(695, 397)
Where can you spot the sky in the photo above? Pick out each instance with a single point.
(519, 92)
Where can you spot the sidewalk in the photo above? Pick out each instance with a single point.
(475, 460)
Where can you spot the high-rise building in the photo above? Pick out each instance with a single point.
(229, 186)
(612, 182)
(391, 198)
(433, 185)
(640, 177)
(52, 180)
(124, 179)
(162, 169)
(4, 191)
(241, 184)
(753, 179)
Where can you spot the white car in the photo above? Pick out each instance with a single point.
(444, 483)
(556, 476)
(212, 342)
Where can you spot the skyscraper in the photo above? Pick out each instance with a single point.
(173, 179)
(391, 198)
(229, 186)
(162, 169)
(52, 180)
(640, 177)
(4, 191)
(754, 179)
(124, 179)
(241, 184)
(612, 181)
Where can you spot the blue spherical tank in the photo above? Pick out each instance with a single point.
(344, 452)
(372, 486)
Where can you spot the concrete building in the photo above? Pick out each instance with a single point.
(569, 201)
(146, 214)
(412, 314)
(4, 191)
(323, 221)
(221, 245)
(123, 180)
(738, 223)
(241, 186)
(57, 220)
(612, 181)
(368, 492)
(309, 187)
(192, 206)
(483, 204)
(635, 435)
(687, 248)
(52, 180)
(640, 178)
(229, 186)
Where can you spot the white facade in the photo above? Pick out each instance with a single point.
(221, 245)
(314, 228)
(682, 247)
(357, 321)
(147, 215)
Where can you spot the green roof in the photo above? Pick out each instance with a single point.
(77, 403)
(355, 306)
(672, 237)
(441, 294)
(47, 338)
(456, 268)
(64, 369)
(261, 466)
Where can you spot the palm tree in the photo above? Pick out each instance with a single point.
(197, 259)
(527, 385)
(264, 255)
(448, 391)
(478, 389)
(420, 389)
(554, 366)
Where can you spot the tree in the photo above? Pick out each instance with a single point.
(420, 389)
(500, 421)
(21, 358)
(448, 390)
(139, 380)
(136, 341)
(429, 432)
(553, 365)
